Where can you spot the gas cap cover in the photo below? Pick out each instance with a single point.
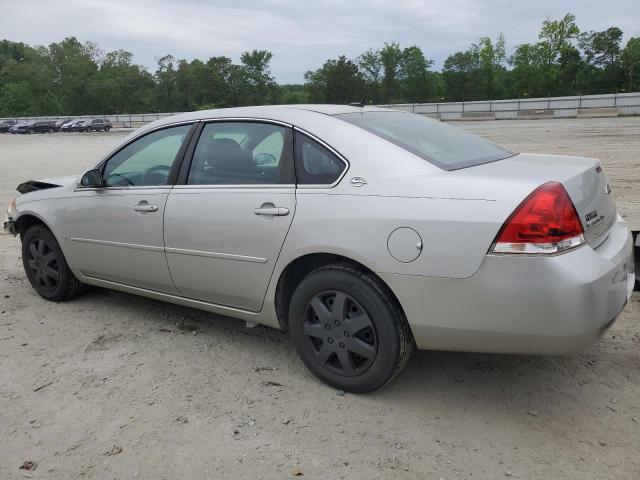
(404, 244)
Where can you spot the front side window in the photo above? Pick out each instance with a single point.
(242, 153)
(146, 161)
(315, 164)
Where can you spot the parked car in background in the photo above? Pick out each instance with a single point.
(6, 124)
(98, 124)
(59, 123)
(42, 126)
(79, 126)
(68, 126)
(21, 127)
(364, 232)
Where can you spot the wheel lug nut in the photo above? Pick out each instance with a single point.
(327, 326)
(330, 340)
(341, 344)
(337, 323)
(346, 334)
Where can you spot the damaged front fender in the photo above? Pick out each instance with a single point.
(33, 185)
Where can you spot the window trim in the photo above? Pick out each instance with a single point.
(306, 186)
(171, 180)
(183, 175)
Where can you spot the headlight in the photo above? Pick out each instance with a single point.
(11, 211)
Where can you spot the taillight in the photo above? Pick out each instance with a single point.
(545, 222)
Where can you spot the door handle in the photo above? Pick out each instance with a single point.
(145, 207)
(274, 211)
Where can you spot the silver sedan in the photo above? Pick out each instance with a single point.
(365, 232)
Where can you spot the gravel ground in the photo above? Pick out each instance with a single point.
(112, 386)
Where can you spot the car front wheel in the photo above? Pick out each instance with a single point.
(46, 267)
(348, 329)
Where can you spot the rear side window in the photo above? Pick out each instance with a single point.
(316, 164)
(242, 153)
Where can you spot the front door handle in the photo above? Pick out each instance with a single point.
(145, 207)
(271, 210)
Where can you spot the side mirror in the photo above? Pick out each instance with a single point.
(93, 178)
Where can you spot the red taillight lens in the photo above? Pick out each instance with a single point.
(545, 222)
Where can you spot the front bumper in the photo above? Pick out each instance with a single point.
(523, 304)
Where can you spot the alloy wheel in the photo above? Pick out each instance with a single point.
(340, 333)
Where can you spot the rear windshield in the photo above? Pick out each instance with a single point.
(443, 145)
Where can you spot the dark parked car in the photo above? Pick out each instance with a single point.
(68, 126)
(59, 123)
(21, 127)
(79, 126)
(97, 124)
(42, 126)
(5, 125)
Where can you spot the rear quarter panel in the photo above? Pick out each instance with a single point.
(456, 233)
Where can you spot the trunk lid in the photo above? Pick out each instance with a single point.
(584, 179)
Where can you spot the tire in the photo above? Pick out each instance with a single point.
(370, 323)
(88, 129)
(106, 129)
(46, 267)
(51, 130)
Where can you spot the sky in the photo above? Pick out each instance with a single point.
(302, 35)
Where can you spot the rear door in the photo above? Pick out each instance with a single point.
(226, 223)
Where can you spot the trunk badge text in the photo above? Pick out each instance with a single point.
(607, 188)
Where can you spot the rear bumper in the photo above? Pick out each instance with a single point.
(523, 304)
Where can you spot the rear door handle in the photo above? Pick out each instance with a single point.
(275, 211)
(145, 207)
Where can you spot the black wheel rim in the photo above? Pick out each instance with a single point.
(43, 265)
(339, 333)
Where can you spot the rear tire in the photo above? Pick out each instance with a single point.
(46, 267)
(348, 329)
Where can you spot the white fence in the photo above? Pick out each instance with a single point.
(612, 104)
(608, 105)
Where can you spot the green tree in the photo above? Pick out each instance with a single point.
(631, 64)
(414, 72)
(370, 65)
(338, 81)
(391, 59)
(602, 51)
(262, 87)
(460, 74)
(491, 59)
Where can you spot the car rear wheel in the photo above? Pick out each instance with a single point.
(348, 329)
(46, 267)
(107, 129)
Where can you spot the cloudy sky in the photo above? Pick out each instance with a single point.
(301, 34)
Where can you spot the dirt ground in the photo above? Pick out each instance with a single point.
(112, 386)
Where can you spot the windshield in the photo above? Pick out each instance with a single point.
(447, 147)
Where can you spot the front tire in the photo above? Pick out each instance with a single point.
(46, 267)
(348, 329)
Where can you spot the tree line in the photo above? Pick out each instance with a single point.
(70, 77)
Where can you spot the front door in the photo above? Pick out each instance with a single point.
(115, 232)
(225, 226)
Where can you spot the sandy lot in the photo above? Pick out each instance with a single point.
(112, 386)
